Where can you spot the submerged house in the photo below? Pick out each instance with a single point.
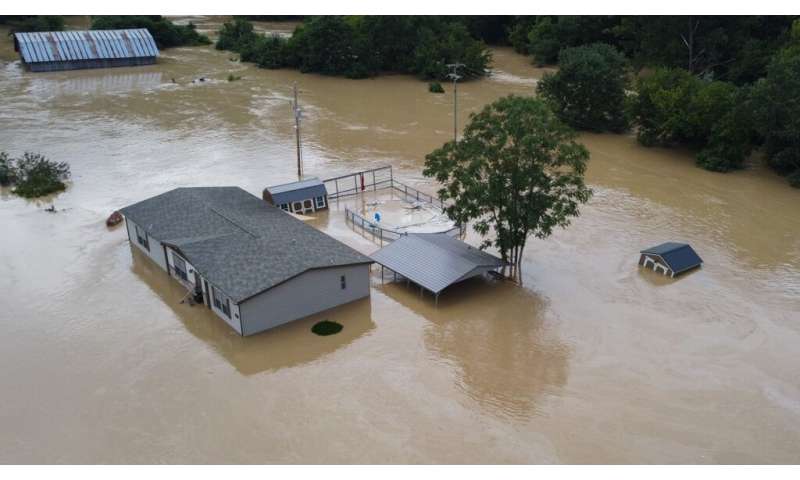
(252, 264)
(671, 258)
(305, 196)
(71, 50)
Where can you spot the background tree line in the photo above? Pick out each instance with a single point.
(363, 46)
(165, 33)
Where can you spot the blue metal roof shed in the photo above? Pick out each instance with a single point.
(70, 50)
(307, 195)
(670, 257)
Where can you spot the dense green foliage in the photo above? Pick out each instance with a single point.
(517, 171)
(33, 175)
(435, 87)
(588, 90)
(674, 107)
(34, 23)
(363, 46)
(730, 48)
(776, 103)
(164, 32)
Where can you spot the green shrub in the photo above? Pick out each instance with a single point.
(8, 173)
(165, 33)
(435, 87)
(34, 175)
(233, 78)
(326, 327)
(588, 90)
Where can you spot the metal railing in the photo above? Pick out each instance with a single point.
(380, 234)
(358, 182)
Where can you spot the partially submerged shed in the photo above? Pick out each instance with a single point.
(671, 258)
(72, 49)
(307, 195)
(435, 261)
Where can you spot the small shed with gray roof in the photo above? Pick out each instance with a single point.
(305, 196)
(435, 261)
(254, 265)
(71, 49)
(671, 258)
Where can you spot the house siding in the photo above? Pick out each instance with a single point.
(304, 295)
(156, 252)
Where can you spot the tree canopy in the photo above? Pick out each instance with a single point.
(517, 171)
(588, 90)
(165, 33)
(364, 46)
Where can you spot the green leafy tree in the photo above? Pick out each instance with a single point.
(33, 175)
(588, 90)
(518, 171)
(776, 100)
(165, 33)
(34, 23)
(673, 107)
(549, 34)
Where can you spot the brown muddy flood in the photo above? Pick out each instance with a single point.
(593, 360)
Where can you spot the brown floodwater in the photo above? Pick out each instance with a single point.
(593, 360)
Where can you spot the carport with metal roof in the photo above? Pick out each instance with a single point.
(434, 261)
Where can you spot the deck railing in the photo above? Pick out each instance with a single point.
(380, 234)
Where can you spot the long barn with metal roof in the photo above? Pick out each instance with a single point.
(71, 50)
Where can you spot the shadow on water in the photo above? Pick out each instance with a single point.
(494, 335)
(658, 279)
(289, 345)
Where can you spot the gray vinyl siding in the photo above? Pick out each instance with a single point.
(307, 294)
(156, 252)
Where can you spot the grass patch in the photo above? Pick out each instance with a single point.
(326, 327)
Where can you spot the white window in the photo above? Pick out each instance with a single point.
(285, 206)
(180, 266)
(297, 207)
(141, 237)
(343, 281)
(320, 202)
(222, 302)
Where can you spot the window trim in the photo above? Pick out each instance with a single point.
(319, 201)
(180, 271)
(343, 282)
(143, 241)
(222, 307)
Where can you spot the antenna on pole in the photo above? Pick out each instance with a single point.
(298, 113)
(455, 77)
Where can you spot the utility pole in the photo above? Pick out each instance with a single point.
(297, 114)
(455, 77)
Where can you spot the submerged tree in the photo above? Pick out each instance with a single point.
(517, 171)
(588, 90)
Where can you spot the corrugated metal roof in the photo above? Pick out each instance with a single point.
(297, 191)
(433, 260)
(678, 256)
(36, 47)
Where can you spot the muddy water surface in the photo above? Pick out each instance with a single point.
(592, 360)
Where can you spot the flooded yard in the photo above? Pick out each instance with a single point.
(592, 361)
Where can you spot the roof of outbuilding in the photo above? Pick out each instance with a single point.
(678, 256)
(238, 242)
(297, 191)
(434, 260)
(69, 45)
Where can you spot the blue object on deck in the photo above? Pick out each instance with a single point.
(377, 216)
(70, 49)
(675, 258)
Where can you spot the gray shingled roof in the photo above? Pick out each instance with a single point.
(237, 241)
(434, 260)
